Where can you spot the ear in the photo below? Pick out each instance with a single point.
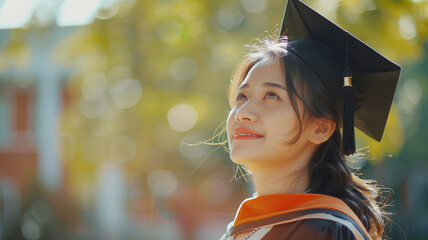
(321, 131)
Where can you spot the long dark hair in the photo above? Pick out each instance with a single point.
(328, 170)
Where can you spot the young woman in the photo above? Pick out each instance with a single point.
(287, 109)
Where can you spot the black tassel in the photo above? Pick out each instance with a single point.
(348, 108)
(348, 114)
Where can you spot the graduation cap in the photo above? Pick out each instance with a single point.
(345, 64)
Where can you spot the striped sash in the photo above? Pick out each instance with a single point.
(267, 211)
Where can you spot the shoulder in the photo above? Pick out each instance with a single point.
(299, 216)
(319, 229)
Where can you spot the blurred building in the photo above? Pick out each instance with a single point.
(18, 153)
(31, 96)
(30, 100)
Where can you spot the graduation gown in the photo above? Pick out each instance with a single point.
(296, 217)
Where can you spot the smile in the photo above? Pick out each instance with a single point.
(246, 134)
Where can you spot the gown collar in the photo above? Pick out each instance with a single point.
(265, 207)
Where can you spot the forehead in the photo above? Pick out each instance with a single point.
(266, 70)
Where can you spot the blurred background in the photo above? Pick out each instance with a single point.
(100, 99)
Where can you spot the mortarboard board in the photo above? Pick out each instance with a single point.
(328, 50)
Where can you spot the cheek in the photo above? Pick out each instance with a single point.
(229, 124)
(284, 126)
(283, 117)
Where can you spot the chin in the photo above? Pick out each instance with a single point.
(243, 159)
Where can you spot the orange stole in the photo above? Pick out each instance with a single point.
(262, 207)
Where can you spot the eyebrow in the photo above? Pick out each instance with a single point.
(267, 84)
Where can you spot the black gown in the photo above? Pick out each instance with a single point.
(296, 217)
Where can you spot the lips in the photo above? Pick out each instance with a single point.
(246, 134)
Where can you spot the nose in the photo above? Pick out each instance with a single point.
(246, 113)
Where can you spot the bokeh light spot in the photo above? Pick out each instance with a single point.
(107, 12)
(71, 12)
(406, 26)
(30, 228)
(230, 17)
(413, 91)
(182, 117)
(328, 8)
(368, 5)
(254, 6)
(126, 93)
(93, 109)
(409, 96)
(162, 183)
(93, 86)
(15, 13)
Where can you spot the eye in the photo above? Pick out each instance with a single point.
(241, 97)
(271, 95)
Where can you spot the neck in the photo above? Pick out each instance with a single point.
(280, 182)
(281, 178)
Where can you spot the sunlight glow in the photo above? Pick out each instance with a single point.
(77, 12)
(407, 28)
(15, 13)
(254, 6)
(126, 93)
(182, 117)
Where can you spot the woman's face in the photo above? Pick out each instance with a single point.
(263, 121)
